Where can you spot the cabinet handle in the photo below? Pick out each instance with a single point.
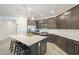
(76, 49)
(39, 48)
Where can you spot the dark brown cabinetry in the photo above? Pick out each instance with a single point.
(61, 22)
(43, 46)
(61, 42)
(42, 24)
(51, 23)
(70, 46)
(76, 48)
(68, 22)
(39, 48)
(51, 38)
(68, 19)
(75, 17)
(34, 49)
(31, 22)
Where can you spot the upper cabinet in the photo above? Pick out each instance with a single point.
(68, 23)
(43, 24)
(64, 20)
(61, 22)
(51, 23)
(31, 22)
(68, 19)
(75, 17)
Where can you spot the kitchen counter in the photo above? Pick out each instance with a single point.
(28, 40)
(67, 33)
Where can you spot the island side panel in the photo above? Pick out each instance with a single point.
(39, 48)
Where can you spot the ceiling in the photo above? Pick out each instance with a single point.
(36, 10)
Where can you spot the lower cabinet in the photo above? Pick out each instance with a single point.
(51, 38)
(70, 46)
(76, 48)
(61, 42)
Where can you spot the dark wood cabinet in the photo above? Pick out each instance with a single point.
(68, 19)
(51, 38)
(57, 22)
(51, 23)
(34, 49)
(42, 24)
(70, 46)
(68, 23)
(61, 42)
(61, 22)
(31, 22)
(76, 48)
(43, 46)
(75, 17)
(39, 48)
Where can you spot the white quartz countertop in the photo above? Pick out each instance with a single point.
(28, 40)
(67, 33)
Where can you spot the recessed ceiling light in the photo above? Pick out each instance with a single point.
(52, 11)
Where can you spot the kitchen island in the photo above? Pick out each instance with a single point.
(37, 44)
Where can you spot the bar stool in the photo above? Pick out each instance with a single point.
(12, 45)
(22, 49)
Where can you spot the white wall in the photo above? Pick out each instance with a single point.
(7, 27)
(22, 25)
(10, 27)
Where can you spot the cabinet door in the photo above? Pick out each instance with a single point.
(43, 24)
(51, 23)
(63, 42)
(68, 20)
(57, 41)
(34, 49)
(31, 22)
(51, 38)
(70, 47)
(75, 17)
(76, 46)
(43, 46)
(61, 22)
(58, 22)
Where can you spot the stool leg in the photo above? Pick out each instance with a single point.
(15, 49)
